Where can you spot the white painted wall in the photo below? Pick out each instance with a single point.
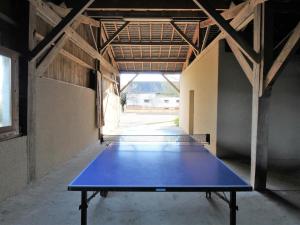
(202, 77)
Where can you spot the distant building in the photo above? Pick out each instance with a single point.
(151, 101)
(151, 95)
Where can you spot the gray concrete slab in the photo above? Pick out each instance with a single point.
(48, 202)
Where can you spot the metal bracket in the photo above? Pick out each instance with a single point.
(86, 204)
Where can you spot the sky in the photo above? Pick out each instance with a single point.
(126, 77)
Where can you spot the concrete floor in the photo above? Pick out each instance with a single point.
(48, 202)
(147, 123)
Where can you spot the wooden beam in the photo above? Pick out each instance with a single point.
(149, 60)
(32, 99)
(52, 18)
(227, 15)
(184, 37)
(125, 86)
(205, 38)
(114, 36)
(59, 29)
(241, 59)
(242, 19)
(144, 43)
(229, 30)
(196, 38)
(260, 101)
(171, 83)
(282, 59)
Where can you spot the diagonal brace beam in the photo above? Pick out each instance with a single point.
(229, 30)
(170, 82)
(59, 29)
(114, 36)
(241, 59)
(279, 63)
(123, 88)
(184, 37)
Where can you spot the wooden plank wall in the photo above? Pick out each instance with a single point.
(65, 69)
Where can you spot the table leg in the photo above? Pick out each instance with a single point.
(83, 208)
(233, 208)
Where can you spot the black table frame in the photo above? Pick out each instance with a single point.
(85, 199)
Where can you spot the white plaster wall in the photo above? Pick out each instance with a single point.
(65, 119)
(13, 166)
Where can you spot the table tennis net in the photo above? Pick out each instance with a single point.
(196, 138)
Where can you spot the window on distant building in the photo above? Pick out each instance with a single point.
(8, 94)
(146, 100)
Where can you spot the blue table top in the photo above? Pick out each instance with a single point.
(157, 167)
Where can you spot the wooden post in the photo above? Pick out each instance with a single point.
(31, 107)
(191, 112)
(260, 99)
(99, 98)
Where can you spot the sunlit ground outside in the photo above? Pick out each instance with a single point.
(151, 106)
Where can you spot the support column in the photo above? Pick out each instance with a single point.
(99, 100)
(260, 99)
(31, 96)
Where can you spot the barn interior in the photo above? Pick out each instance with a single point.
(60, 63)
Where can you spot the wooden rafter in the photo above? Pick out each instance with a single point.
(292, 43)
(183, 36)
(59, 28)
(229, 30)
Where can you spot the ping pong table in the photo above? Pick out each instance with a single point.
(158, 167)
